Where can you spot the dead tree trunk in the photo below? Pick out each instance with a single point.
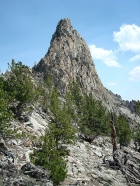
(130, 170)
(113, 134)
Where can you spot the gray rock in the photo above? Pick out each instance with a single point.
(35, 171)
(68, 58)
(10, 175)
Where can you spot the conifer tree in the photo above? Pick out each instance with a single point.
(136, 137)
(51, 158)
(61, 122)
(20, 87)
(75, 94)
(47, 88)
(90, 115)
(138, 108)
(123, 131)
(5, 114)
(94, 119)
(60, 131)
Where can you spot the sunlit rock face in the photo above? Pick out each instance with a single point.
(68, 58)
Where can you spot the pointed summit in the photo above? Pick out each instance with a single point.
(69, 58)
(64, 28)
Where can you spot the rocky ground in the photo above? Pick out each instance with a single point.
(21, 172)
(84, 159)
(67, 59)
(85, 164)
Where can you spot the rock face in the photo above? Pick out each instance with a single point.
(131, 105)
(85, 164)
(128, 108)
(15, 166)
(69, 58)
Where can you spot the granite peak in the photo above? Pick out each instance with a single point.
(69, 58)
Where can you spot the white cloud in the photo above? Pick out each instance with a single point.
(107, 56)
(111, 83)
(135, 58)
(135, 74)
(128, 38)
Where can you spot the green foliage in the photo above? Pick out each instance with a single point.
(5, 114)
(94, 119)
(70, 107)
(61, 122)
(20, 87)
(51, 158)
(49, 86)
(45, 91)
(60, 132)
(76, 58)
(76, 95)
(91, 116)
(74, 101)
(49, 82)
(136, 137)
(138, 108)
(123, 130)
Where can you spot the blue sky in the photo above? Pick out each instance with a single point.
(110, 28)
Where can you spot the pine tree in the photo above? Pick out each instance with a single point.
(75, 94)
(5, 114)
(61, 122)
(89, 113)
(47, 87)
(136, 137)
(60, 132)
(94, 119)
(138, 108)
(51, 158)
(123, 131)
(20, 87)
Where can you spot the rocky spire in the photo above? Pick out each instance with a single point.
(64, 28)
(69, 58)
